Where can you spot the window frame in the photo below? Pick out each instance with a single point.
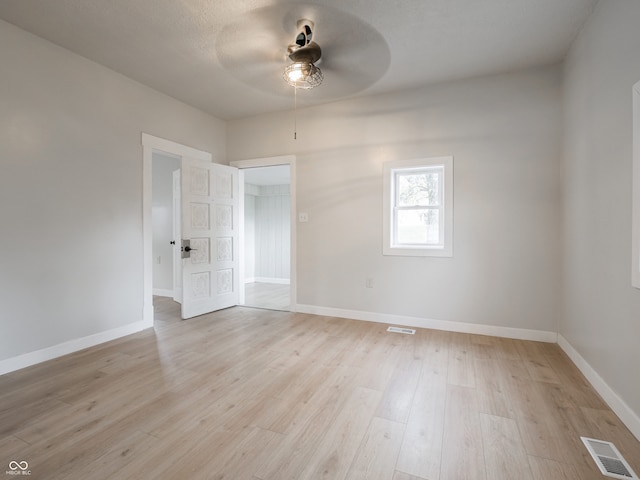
(392, 171)
(635, 207)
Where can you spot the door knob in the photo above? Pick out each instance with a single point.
(172, 242)
(186, 249)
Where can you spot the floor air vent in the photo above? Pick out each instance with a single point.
(608, 459)
(408, 331)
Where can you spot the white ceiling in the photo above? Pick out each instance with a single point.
(226, 56)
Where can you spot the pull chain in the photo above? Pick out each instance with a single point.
(295, 113)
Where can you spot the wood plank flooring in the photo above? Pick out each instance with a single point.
(271, 296)
(265, 395)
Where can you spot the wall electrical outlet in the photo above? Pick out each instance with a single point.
(368, 282)
(303, 217)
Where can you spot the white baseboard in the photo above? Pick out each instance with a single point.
(620, 408)
(492, 330)
(279, 281)
(162, 292)
(49, 353)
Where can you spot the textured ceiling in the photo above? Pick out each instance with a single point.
(226, 57)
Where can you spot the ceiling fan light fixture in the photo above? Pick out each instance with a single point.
(303, 75)
(303, 53)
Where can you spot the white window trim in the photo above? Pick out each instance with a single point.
(635, 253)
(388, 225)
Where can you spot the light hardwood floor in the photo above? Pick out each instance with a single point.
(261, 395)
(271, 296)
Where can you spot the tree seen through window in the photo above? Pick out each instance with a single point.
(419, 199)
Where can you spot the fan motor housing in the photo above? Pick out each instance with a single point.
(310, 53)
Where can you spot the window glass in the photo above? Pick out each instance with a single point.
(416, 227)
(419, 188)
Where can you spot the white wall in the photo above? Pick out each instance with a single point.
(601, 314)
(162, 218)
(505, 134)
(267, 233)
(250, 232)
(71, 191)
(273, 212)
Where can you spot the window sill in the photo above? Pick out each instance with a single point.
(426, 251)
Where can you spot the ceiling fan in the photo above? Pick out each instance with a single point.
(304, 53)
(266, 44)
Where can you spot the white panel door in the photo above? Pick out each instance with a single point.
(210, 225)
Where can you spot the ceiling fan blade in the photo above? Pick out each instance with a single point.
(254, 49)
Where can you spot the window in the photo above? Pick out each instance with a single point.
(418, 207)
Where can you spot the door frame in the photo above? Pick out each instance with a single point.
(272, 162)
(150, 144)
(176, 178)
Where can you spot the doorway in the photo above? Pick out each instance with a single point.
(165, 216)
(267, 234)
(154, 145)
(267, 267)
